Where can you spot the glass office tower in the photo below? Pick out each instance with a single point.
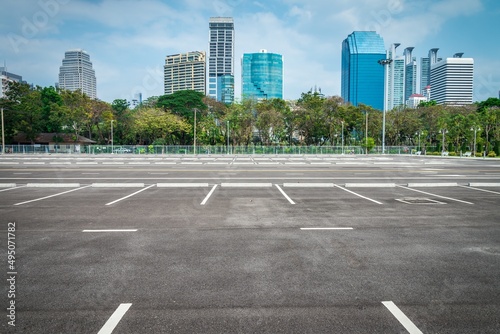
(362, 75)
(410, 73)
(221, 59)
(262, 75)
(76, 73)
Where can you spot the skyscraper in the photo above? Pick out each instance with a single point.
(394, 92)
(425, 69)
(262, 75)
(452, 80)
(5, 78)
(76, 73)
(362, 75)
(185, 71)
(410, 73)
(221, 59)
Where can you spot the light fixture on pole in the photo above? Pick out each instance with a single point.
(384, 62)
(475, 128)
(112, 136)
(227, 135)
(366, 131)
(194, 142)
(342, 137)
(3, 136)
(443, 131)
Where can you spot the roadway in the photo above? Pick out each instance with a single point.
(245, 244)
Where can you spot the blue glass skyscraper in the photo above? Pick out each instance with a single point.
(362, 75)
(262, 75)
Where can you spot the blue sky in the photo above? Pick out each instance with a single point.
(128, 39)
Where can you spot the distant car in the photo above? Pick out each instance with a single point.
(122, 150)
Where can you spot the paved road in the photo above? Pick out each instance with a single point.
(252, 244)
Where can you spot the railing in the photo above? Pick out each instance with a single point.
(205, 149)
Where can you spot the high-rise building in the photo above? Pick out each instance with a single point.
(221, 59)
(261, 75)
(5, 78)
(395, 86)
(76, 73)
(425, 68)
(452, 80)
(410, 73)
(362, 75)
(185, 71)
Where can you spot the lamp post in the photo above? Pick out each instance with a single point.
(112, 136)
(194, 142)
(227, 134)
(384, 62)
(342, 137)
(366, 132)
(418, 133)
(443, 131)
(3, 136)
(475, 128)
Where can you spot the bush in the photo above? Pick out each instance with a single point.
(492, 154)
(479, 154)
(452, 154)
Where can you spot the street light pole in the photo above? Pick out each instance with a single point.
(112, 136)
(194, 142)
(385, 62)
(3, 136)
(342, 137)
(475, 132)
(366, 132)
(227, 134)
(442, 148)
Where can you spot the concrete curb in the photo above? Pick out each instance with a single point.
(432, 185)
(117, 185)
(182, 185)
(53, 185)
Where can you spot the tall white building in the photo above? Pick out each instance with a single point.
(76, 73)
(185, 71)
(221, 59)
(410, 73)
(395, 80)
(452, 80)
(5, 78)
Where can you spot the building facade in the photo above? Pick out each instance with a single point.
(76, 73)
(410, 73)
(425, 68)
(261, 75)
(221, 59)
(395, 86)
(452, 81)
(5, 78)
(185, 71)
(362, 73)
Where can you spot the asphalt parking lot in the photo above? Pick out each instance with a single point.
(251, 244)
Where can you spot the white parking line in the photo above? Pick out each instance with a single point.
(484, 190)
(208, 196)
(402, 318)
(352, 192)
(39, 199)
(12, 188)
(104, 231)
(423, 192)
(115, 318)
(325, 228)
(286, 196)
(121, 199)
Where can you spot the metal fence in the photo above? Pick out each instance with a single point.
(205, 149)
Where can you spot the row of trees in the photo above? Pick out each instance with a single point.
(311, 120)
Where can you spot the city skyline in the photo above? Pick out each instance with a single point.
(128, 40)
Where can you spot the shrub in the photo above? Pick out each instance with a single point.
(479, 154)
(452, 154)
(492, 154)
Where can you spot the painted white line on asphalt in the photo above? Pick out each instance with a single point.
(325, 228)
(104, 231)
(121, 199)
(53, 185)
(402, 318)
(33, 163)
(208, 196)
(352, 192)
(432, 184)
(7, 185)
(370, 185)
(90, 173)
(182, 185)
(308, 185)
(484, 184)
(121, 184)
(439, 196)
(245, 185)
(286, 196)
(12, 188)
(58, 194)
(115, 318)
(86, 163)
(484, 190)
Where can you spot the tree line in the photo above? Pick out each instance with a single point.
(313, 119)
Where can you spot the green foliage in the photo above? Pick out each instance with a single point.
(492, 154)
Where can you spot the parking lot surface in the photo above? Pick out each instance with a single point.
(251, 244)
